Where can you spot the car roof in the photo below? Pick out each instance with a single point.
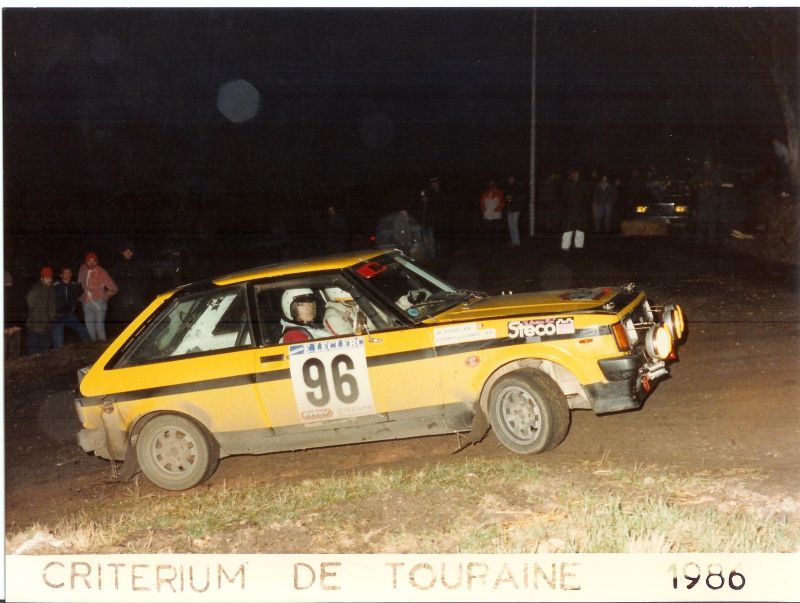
(300, 266)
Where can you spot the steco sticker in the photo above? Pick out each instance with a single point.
(544, 327)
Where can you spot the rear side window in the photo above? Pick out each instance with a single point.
(196, 324)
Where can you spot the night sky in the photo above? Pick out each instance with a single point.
(136, 123)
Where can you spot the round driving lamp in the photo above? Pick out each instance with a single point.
(658, 342)
(673, 320)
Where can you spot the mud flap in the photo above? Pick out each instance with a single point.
(480, 427)
(130, 466)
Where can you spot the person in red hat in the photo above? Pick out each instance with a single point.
(41, 312)
(98, 288)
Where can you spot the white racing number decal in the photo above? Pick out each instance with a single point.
(330, 379)
(545, 327)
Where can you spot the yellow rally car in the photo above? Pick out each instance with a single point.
(355, 348)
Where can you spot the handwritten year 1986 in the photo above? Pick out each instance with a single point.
(715, 577)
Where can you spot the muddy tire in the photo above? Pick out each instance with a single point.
(528, 412)
(175, 453)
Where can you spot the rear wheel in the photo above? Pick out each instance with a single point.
(528, 412)
(175, 453)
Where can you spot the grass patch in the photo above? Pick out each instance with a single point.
(477, 506)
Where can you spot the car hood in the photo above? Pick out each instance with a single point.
(540, 302)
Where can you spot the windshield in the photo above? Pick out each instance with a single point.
(413, 291)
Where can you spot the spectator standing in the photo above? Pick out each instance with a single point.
(41, 312)
(604, 198)
(575, 195)
(132, 278)
(548, 202)
(12, 333)
(706, 186)
(98, 288)
(426, 215)
(516, 200)
(492, 203)
(337, 234)
(67, 293)
(446, 220)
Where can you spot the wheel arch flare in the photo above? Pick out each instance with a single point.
(565, 379)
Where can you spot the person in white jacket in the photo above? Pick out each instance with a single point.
(342, 314)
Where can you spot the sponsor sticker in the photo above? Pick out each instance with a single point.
(541, 327)
(470, 331)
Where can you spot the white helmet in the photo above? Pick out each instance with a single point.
(291, 295)
(338, 294)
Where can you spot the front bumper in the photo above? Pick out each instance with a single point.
(630, 380)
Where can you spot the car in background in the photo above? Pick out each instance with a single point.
(171, 267)
(208, 370)
(662, 207)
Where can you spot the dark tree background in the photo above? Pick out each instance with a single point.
(214, 123)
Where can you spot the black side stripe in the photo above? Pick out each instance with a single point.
(409, 356)
(181, 388)
(375, 361)
(267, 376)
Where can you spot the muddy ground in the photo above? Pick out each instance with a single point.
(731, 406)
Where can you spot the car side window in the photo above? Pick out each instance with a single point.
(206, 322)
(340, 309)
(268, 302)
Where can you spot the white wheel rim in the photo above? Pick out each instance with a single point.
(519, 414)
(174, 451)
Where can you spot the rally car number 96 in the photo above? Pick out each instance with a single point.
(360, 347)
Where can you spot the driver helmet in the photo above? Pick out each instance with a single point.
(291, 297)
(337, 294)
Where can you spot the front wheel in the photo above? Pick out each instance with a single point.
(528, 412)
(174, 452)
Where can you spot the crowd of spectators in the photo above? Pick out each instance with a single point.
(58, 305)
(573, 203)
(438, 218)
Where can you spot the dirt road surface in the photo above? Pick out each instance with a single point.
(732, 404)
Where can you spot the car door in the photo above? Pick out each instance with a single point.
(195, 359)
(388, 374)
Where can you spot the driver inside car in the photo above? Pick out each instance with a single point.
(299, 312)
(342, 314)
